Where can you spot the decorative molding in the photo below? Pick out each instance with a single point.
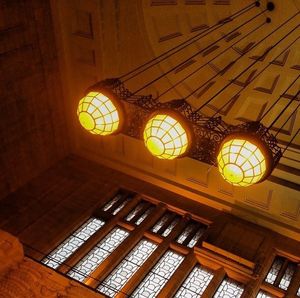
(265, 205)
(169, 36)
(195, 2)
(83, 24)
(247, 80)
(231, 36)
(281, 60)
(210, 50)
(199, 28)
(163, 2)
(270, 89)
(245, 49)
(184, 66)
(221, 2)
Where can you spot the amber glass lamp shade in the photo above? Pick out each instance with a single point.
(99, 114)
(166, 135)
(243, 160)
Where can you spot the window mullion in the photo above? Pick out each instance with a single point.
(98, 236)
(140, 213)
(191, 235)
(252, 288)
(129, 288)
(174, 283)
(214, 284)
(116, 257)
(166, 224)
(281, 273)
(295, 283)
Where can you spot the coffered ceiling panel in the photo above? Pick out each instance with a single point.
(100, 39)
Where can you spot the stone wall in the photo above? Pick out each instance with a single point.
(22, 277)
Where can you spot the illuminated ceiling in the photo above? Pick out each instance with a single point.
(100, 39)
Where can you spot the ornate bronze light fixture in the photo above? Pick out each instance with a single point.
(245, 154)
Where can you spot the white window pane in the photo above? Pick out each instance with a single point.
(127, 268)
(169, 229)
(98, 254)
(72, 243)
(120, 207)
(229, 288)
(135, 211)
(196, 237)
(195, 284)
(287, 277)
(159, 275)
(112, 202)
(186, 232)
(144, 215)
(273, 272)
(161, 222)
(262, 294)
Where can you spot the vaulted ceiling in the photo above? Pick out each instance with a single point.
(98, 39)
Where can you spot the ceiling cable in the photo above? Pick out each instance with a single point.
(187, 43)
(278, 99)
(291, 141)
(255, 77)
(286, 121)
(203, 65)
(194, 55)
(266, 52)
(285, 108)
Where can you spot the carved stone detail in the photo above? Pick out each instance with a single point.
(24, 278)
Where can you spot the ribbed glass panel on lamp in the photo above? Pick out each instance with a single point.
(241, 162)
(165, 137)
(98, 114)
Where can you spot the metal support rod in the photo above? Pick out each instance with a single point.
(194, 55)
(290, 142)
(278, 116)
(236, 77)
(286, 121)
(186, 43)
(255, 77)
(203, 65)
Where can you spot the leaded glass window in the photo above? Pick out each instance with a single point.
(196, 237)
(287, 277)
(127, 268)
(120, 207)
(273, 272)
(262, 294)
(112, 202)
(195, 284)
(159, 275)
(135, 211)
(72, 243)
(186, 232)
(98, 254)
(191, 232)
(229, 288)
(163, 220)
(144, 215)
(169, 229)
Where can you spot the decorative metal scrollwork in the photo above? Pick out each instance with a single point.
(208, 132)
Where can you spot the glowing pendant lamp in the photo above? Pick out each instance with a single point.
(166, 135)
(100, 113)
(244, 160)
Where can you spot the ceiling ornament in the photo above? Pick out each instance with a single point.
(245, 154)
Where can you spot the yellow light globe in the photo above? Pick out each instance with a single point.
(165, 136)
(98, 114)
(243, 161)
